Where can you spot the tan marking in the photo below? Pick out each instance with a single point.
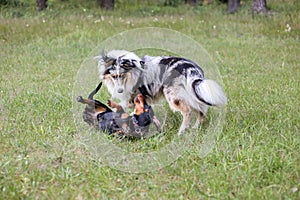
(99, 109)
(109, 63)
(124, 115)
(139, 104)
(178, 105)
(176, 102)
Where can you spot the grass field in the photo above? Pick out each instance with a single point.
(255, 157)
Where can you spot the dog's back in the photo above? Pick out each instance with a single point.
(180, 80)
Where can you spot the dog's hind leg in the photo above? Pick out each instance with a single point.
(185, 112)
(118, 107)
(200, 115)
(199, 119)
(179, 105)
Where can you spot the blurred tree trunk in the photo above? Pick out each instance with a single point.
(41, 4)
(259, 6)
(233, 5)
(191, 2)
(106, 4)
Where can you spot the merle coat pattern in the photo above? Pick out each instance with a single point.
(180, 81)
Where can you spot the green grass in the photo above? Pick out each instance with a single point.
(255, 157)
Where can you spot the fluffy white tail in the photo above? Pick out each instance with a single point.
(210, 93)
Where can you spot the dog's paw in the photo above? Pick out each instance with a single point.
(181, 130)
(109, 103)
(79, 98)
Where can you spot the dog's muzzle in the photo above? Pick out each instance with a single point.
(117, 76)
(120, 84)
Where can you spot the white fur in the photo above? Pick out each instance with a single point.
(155, 74)
(211, 92)
(112, 84)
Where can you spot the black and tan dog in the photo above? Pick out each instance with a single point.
(102, 117)
(179, 80)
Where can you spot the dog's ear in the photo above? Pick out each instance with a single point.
(109, 61)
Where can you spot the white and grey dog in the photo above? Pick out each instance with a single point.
(179, 80)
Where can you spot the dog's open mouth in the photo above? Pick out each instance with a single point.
(137, 100)
(118, 122)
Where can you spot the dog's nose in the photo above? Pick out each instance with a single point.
(120, 90)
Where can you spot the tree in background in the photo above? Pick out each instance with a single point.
(259, 6)
(106, 4)
(41, 4)
(191, 2)
(233, 5)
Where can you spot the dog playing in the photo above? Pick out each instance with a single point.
(105, 119)
(143, 113)
(179, 80)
